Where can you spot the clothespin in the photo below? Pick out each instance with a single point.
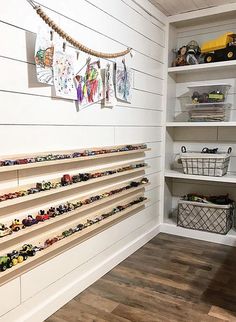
(88, 61)
(51, 35)
(99, 63)
(132, 53)
(77, 54)
(64, 46)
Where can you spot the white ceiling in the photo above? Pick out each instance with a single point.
(173, 7)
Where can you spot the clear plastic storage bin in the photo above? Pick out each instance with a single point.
(208, 93)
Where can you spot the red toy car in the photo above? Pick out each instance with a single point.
(42, 216)
(66, 180)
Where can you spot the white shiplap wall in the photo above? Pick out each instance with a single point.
(32, 120)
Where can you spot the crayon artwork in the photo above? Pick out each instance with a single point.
(123, 80)
(44, 50)
(63, 69)
(109, 87)
(89, 85)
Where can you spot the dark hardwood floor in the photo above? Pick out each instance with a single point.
(169, 279)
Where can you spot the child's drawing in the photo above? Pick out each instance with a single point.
(89, 84)
(63, 70)
(110, 97)
(124, 78)
(44, 50)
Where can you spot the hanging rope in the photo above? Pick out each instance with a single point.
(71, 40)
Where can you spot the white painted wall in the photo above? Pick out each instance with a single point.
(32, 120)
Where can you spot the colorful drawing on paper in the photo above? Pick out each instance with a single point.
(44, 50)
(63, 71)
(124, 79)
(89, 84)
(109, 87)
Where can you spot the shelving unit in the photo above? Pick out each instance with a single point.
(228, 178)
(42, 226)
(196, 135)
(205, 68)
(200, 124)
(64, 161)
(38, 233)
(46, 193)
(69, 242)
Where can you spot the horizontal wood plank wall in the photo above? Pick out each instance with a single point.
(32, 120)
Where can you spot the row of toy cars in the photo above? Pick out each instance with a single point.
(67, 180)
(53, 157)
(62, 209)
(15, 257)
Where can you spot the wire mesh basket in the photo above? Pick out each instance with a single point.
(205, 163)
(206, 217)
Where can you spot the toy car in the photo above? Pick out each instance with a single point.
(42, 216)
(4, 231)
(12, 195)
(3, 198)
(21, 161)
(144, 180)
(29, 221)
(66, 180)
(42, 186)
(40, 159)
(33, 190)
(77, 204)
(76, 178)
(16, 257)
(56, 185)
(50, 242)
(85, 176)
(16, 225)
(67, 233)
(28, 250)
(22, 193)
(5, 263)
(8, 162)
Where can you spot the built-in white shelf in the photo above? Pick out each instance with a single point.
(228, 178)
(217, 66)
(169, 226)
(196, 124)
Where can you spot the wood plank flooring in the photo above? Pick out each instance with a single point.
(169, 279)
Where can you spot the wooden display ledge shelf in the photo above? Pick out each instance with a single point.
(206, 67)
(69, 242)
(15, 201)
(35, 229)
(64, 161)
(178, 174)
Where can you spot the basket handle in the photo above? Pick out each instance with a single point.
(229, 150)
(183, 149)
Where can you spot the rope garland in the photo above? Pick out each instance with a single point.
(71, 40)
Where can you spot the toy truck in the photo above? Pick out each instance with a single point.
(221, 48)
(5, 262)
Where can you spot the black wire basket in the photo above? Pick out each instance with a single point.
(204, 163)
(206, 217)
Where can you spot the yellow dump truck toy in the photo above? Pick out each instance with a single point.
(221, 48)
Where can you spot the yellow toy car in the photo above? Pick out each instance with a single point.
(221, 48)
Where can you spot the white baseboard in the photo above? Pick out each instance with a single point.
(48, 301)
(229, 239)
